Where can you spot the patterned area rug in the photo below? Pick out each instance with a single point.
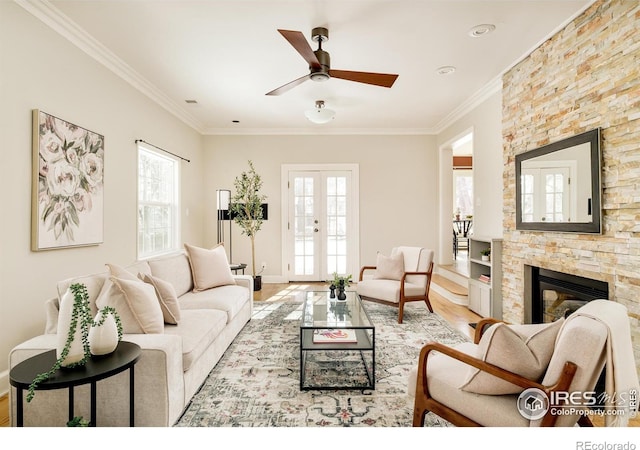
(257, 381)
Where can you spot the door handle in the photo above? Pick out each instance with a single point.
(315, 230)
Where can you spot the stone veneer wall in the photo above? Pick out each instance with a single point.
(586, 76)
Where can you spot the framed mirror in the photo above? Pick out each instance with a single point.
(558, 186)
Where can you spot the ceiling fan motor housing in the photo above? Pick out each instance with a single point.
(321, 73)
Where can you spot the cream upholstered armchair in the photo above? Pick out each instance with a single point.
(490, 382)
(403, 276)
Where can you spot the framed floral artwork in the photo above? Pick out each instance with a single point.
(68, 187)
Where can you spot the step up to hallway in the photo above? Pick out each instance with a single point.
(451, 285)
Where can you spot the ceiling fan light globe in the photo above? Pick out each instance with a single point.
(320, 115)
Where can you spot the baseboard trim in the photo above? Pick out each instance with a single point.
(4, 383)
(274, 279)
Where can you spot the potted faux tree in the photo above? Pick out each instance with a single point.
(246, 209)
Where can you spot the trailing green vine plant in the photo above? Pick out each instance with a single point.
(80, 316)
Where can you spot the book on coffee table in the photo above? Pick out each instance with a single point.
(334, 335)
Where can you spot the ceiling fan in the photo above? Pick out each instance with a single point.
(320, 63)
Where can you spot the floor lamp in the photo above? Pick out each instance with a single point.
(223, 197)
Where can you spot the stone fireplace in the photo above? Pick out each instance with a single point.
(575, 81)
(550, 295)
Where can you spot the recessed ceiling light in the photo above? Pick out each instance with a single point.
(481, 30)
(191, 102)
(445, 70)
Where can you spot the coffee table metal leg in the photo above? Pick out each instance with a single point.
(302, 363)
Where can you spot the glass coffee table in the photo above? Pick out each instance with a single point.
(337, 343)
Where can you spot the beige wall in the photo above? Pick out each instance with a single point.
(586, 76)
(398, 187)
(42, 70)
(485, 122)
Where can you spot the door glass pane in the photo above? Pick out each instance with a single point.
(527, 197)
(303, 223)
(554, 193)
(336, 220)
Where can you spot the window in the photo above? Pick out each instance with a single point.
(158, 194)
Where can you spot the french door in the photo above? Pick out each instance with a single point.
(321, 222)
(546, 194)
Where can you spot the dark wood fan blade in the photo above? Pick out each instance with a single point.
(379, 79)
(299, 42)
(284, 88)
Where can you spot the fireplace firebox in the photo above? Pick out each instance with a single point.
(556, 294)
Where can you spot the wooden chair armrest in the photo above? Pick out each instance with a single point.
(482, 326)
(405, 274)
(428, 274)
(365, 268)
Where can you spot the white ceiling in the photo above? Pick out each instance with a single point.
(227, 54)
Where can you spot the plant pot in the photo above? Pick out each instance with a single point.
(257, 282)
(76, 347)
(485, 257)
(103, 339)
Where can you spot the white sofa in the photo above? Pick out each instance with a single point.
(173, 365)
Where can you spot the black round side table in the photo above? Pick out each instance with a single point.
(97, 368)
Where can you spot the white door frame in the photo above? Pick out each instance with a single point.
(445, 208)
(354, 243)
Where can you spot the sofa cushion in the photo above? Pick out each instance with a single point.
(209, 268)
(175, 269)
(526, 353)
(136, 304)
(230, 299)
(389, 267)
(139, 267)
(198, 329)
(166, 297)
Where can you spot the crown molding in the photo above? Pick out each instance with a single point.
(63, 25)
(470, 104)
(319, 131)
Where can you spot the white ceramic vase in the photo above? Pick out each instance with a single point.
(76, 350)
(103, 339)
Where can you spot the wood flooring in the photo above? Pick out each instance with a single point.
(458, 316)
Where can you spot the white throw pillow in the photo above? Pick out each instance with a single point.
(513, 348)
(136, 304)
(166, 296)
(209, 268)
(389, 267)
